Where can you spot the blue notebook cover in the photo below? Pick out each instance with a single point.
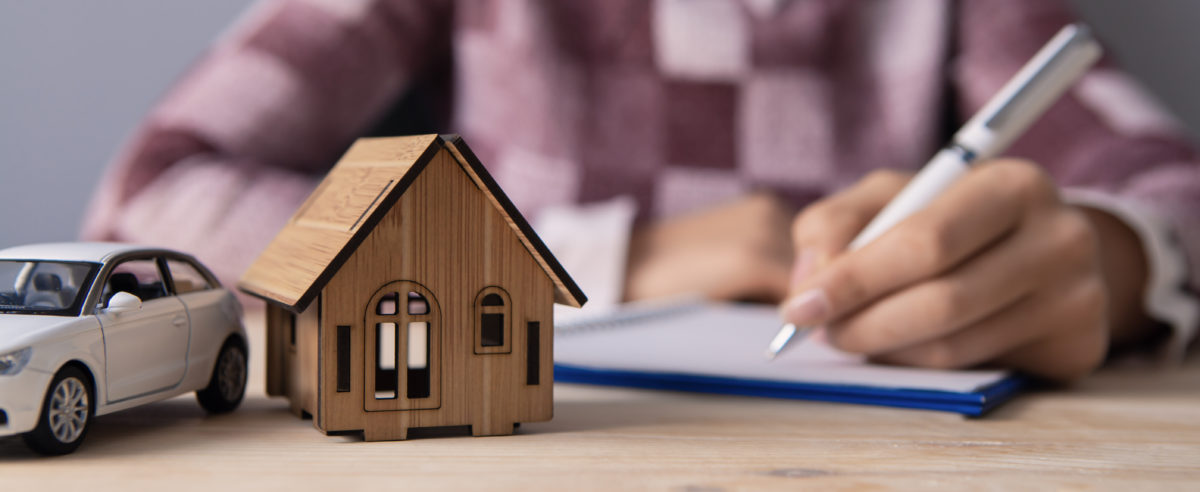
(975, 403)
(717, 348)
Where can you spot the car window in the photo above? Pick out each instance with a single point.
(138, 277)
(44, 287)
(186, 277)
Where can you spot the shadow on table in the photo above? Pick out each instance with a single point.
(571, 416)
(1143, 383)
(164, 426)
(594, 415)
(632, 408)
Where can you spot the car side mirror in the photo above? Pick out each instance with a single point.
(122, 302)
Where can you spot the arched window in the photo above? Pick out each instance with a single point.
(402, 343)
(493, 321)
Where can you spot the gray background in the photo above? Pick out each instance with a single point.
(78, 75)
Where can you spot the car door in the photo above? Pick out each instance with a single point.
(211, 309)
(145, 349)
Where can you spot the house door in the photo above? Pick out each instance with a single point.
(403, 348)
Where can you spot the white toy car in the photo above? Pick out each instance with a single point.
(88, 329)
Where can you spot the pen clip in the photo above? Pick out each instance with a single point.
(1036, 86)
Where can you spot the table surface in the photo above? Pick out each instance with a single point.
(1123, 427)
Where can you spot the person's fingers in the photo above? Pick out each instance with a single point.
(935, 308)
(982, 207)
(1072, 345)
(1056, 334)
(1048, 247)
(1066, 355)
(824, 228)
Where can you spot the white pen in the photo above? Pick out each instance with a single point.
(1004, 118)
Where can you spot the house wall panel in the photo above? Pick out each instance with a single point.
(445, 234)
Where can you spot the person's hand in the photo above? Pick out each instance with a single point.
(737, 251)
(996, 270)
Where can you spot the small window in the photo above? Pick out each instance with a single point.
(387, 305)
(417, 304)
(138, 277)
(343, 358)
(291, 320)
(533, 353)
(386, 343)
(418, 360)
(186, 278)
(493, 320)
(491, 330)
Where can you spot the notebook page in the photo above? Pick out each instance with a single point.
(728, 340)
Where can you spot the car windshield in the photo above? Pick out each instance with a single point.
(44, 287)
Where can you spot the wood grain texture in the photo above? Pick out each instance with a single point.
(327, 221)
(364, 184)
(445, 235)
(562, 291)
(1122, 429)
(432, 227)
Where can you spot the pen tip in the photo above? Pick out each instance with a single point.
(780, 341)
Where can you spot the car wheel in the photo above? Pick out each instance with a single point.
(228, 383)
(66, 414)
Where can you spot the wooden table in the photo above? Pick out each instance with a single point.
(1120, 429)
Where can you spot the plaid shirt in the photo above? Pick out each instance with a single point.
(677, 103)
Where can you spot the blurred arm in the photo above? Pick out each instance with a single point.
(223, 160)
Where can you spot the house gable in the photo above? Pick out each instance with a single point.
(348, 204)
(566, 291)
(446, 241)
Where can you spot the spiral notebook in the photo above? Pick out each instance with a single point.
(718, 348)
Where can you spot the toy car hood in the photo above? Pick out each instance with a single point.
(22, 330)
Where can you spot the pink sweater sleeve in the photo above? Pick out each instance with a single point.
(224, 159)
(1105, 135)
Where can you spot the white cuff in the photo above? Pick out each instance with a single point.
(591, 242)
(1166, 298)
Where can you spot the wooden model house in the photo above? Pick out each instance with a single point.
(408, 292)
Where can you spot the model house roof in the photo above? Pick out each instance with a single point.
(368, 180)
